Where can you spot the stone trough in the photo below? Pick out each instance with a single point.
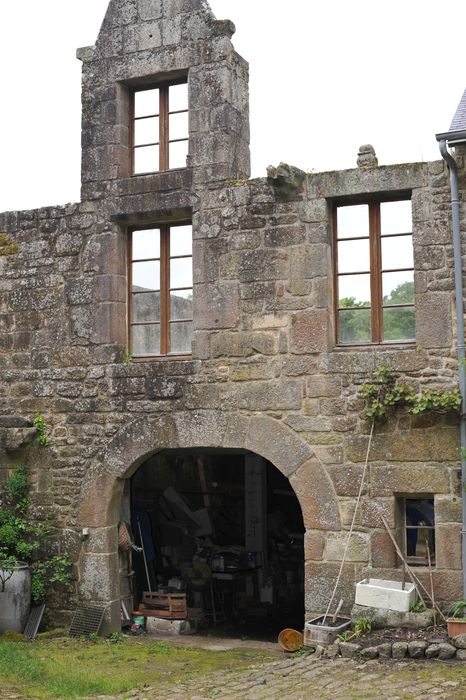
(391, 595)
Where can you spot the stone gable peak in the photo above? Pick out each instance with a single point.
(130, 12)
(148, 25)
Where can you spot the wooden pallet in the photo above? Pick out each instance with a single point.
(171, 606)
(192, 614)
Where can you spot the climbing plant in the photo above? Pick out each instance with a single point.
(22, 538)
(41, 427)
(387, 393)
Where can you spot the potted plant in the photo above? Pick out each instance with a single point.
(456, 621)
(25, 570)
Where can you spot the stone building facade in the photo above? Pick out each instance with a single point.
(266, 374)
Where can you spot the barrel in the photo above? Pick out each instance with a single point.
(15, 600)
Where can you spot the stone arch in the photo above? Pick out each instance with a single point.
(103, 485)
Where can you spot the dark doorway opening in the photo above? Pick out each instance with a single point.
(224, 529)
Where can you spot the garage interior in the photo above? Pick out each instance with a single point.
(223, 544)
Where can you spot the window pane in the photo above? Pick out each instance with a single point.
(146, 102)
(417, 542)
(395, 217)
(146, 275)
(353, 221)
(146, 244)
(180, 337)
(178, 126)
(399, 323)
(146, 159)
(181, 240)
(354, 290)
(178, 97)
(146, 308)
(420, 533)
(353, 256)
(355, 326)
(181, 305)
(397, 251)
(146, 131)
(177, 154)
(181, 273)
(145, 340)
(398, 287)
(420, 512)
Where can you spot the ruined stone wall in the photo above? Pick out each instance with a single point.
(263, 346)
(265, 373)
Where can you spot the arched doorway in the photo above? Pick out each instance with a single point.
(223, 528)
(99, 502)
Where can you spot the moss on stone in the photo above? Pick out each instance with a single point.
(237, 183)
(7, 246)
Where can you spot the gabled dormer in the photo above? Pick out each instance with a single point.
(163, 94)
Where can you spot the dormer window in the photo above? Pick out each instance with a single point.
(159, 133)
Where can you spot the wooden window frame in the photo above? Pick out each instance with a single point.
(164, 292)
(403, 528)
(375, 272)
(163, 115)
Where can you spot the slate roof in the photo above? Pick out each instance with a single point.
(459, 120)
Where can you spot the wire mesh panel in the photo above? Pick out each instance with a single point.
(34, 620)
(87, 619)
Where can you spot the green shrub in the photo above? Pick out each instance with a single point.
(388, 393)
(23, 539)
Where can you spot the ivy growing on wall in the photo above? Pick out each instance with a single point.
(41, 427)
(387, 393)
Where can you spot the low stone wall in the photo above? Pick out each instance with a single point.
(398, 650)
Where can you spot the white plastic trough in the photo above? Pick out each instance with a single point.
(376, 593)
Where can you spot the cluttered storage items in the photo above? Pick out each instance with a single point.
(210, 538)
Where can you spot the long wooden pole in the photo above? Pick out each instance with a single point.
(144, 556)
(431, 584)
(417, 584)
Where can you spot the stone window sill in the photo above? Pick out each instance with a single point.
(163, 358)
(365, 347)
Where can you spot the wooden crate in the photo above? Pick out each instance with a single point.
(171, 606)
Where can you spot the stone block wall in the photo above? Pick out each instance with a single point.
(264, 356)
(265, 374)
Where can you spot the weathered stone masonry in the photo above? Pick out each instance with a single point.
(265, 373)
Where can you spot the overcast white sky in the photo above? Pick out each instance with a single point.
(326, 76)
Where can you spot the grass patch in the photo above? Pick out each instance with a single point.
(68, 668)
